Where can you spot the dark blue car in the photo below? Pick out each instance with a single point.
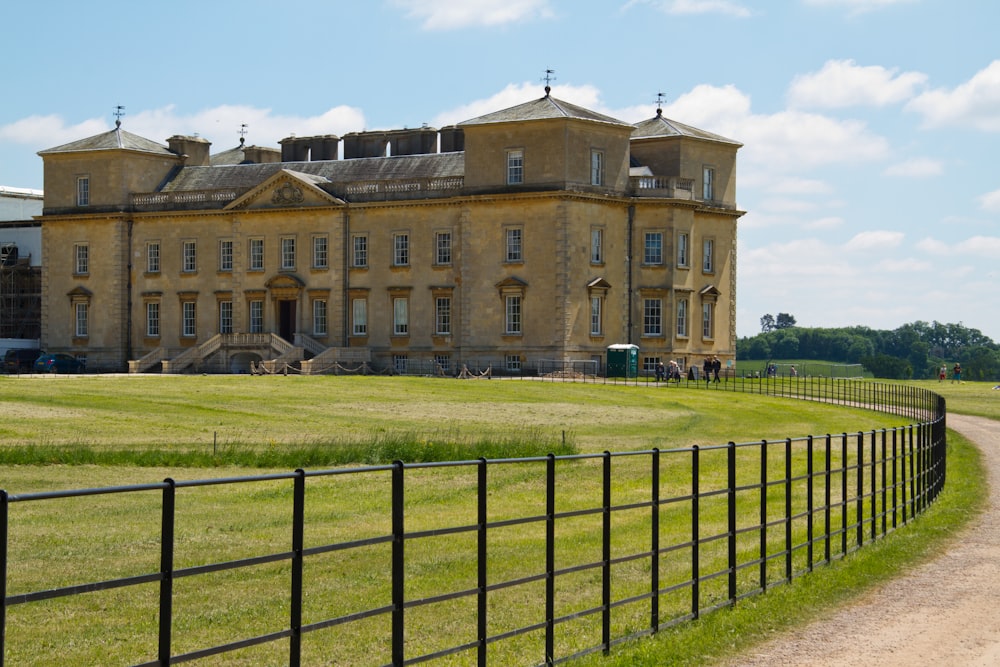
(58, 363)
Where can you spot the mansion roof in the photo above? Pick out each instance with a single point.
(116, 139)
(658, 126)
(541, 109)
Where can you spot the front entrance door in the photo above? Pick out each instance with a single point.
(286, 320)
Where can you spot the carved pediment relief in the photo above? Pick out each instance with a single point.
(286, 189)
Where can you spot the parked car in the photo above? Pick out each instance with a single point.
(58, 363)
(20, 360)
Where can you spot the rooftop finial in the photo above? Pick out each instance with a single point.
(659, 103)
(119, 112)
(243, 133)
(548, 79)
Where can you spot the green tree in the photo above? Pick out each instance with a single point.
(767, 323)
(784, 321)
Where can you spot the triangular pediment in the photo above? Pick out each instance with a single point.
(286, 189)
(710, 290)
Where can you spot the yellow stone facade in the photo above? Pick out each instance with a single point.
(546, 233)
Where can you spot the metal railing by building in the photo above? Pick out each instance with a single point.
(672, 534)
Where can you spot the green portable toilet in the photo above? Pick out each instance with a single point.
(623, 360)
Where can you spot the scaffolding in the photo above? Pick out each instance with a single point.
(20, 295)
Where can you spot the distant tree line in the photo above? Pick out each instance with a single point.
(915, 350)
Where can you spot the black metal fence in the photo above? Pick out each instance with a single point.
(517, 561)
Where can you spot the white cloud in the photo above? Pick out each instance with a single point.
(800, 186)
(220, 125)
(990, 201)
(691, 7)
(451, 15)
(856, 7)
(975, 103)
(518, 93)
(829, 222)
(874, 240)
(903, 265)
(986, 247)
(915, 168)
(842, 83)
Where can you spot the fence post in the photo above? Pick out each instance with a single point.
(827, 494)
(763, 515)
(860, 518)
(788, 510)
(4, 524)
(885, 491)
(809, 502)
(895, 476)
(298, 542)
(398, 564)
(843, 494)
(482, 554)
(166, 570)
(695, 509)
(606, 555)
(873, 485)
(654, 609)
(550, 558)
(731, 502)
(913, 477)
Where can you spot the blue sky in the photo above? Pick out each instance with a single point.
(871, 128)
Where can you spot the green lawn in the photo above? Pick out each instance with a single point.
(217, 425)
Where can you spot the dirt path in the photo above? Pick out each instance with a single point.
(943, 613)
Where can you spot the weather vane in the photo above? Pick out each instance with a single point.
(659, 103)
(548, 80)
(119, 112)
(243, 133)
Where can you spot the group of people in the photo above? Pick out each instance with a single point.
(672, 371)
(956, 373)
(710, 368)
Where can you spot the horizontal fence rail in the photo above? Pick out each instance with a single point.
(364, 566)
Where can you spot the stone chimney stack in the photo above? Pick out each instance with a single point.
(194, 149)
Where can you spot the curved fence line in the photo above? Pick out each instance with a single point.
(514, 561)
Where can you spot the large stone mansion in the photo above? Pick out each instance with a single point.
(541, 232)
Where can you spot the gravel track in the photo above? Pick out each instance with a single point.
(945, 612)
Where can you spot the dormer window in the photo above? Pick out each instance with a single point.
(515, 167)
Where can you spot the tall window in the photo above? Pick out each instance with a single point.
(225, 255)
(81, 264)
(515, 251)
(360, 256)
(319, 317)
(596, 317)
(442, 315)
(682, 249)
(256, 254)
(653, 248)
(153, 319)
(400, 316)
(225, 317)
(83, 191)
(82, 312)
(513, 315)
(400, 249)
(682, 317)
(708, 254)
(708, 183)
(288, 253)
(707, 319)
(442, 243)
(359, 308)
(189, 254)
(189, 321)
(596, 245)
(515, 167)
(321, 252)
(153, 257)
(256, 316)
(596, 168)
(652, 317)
